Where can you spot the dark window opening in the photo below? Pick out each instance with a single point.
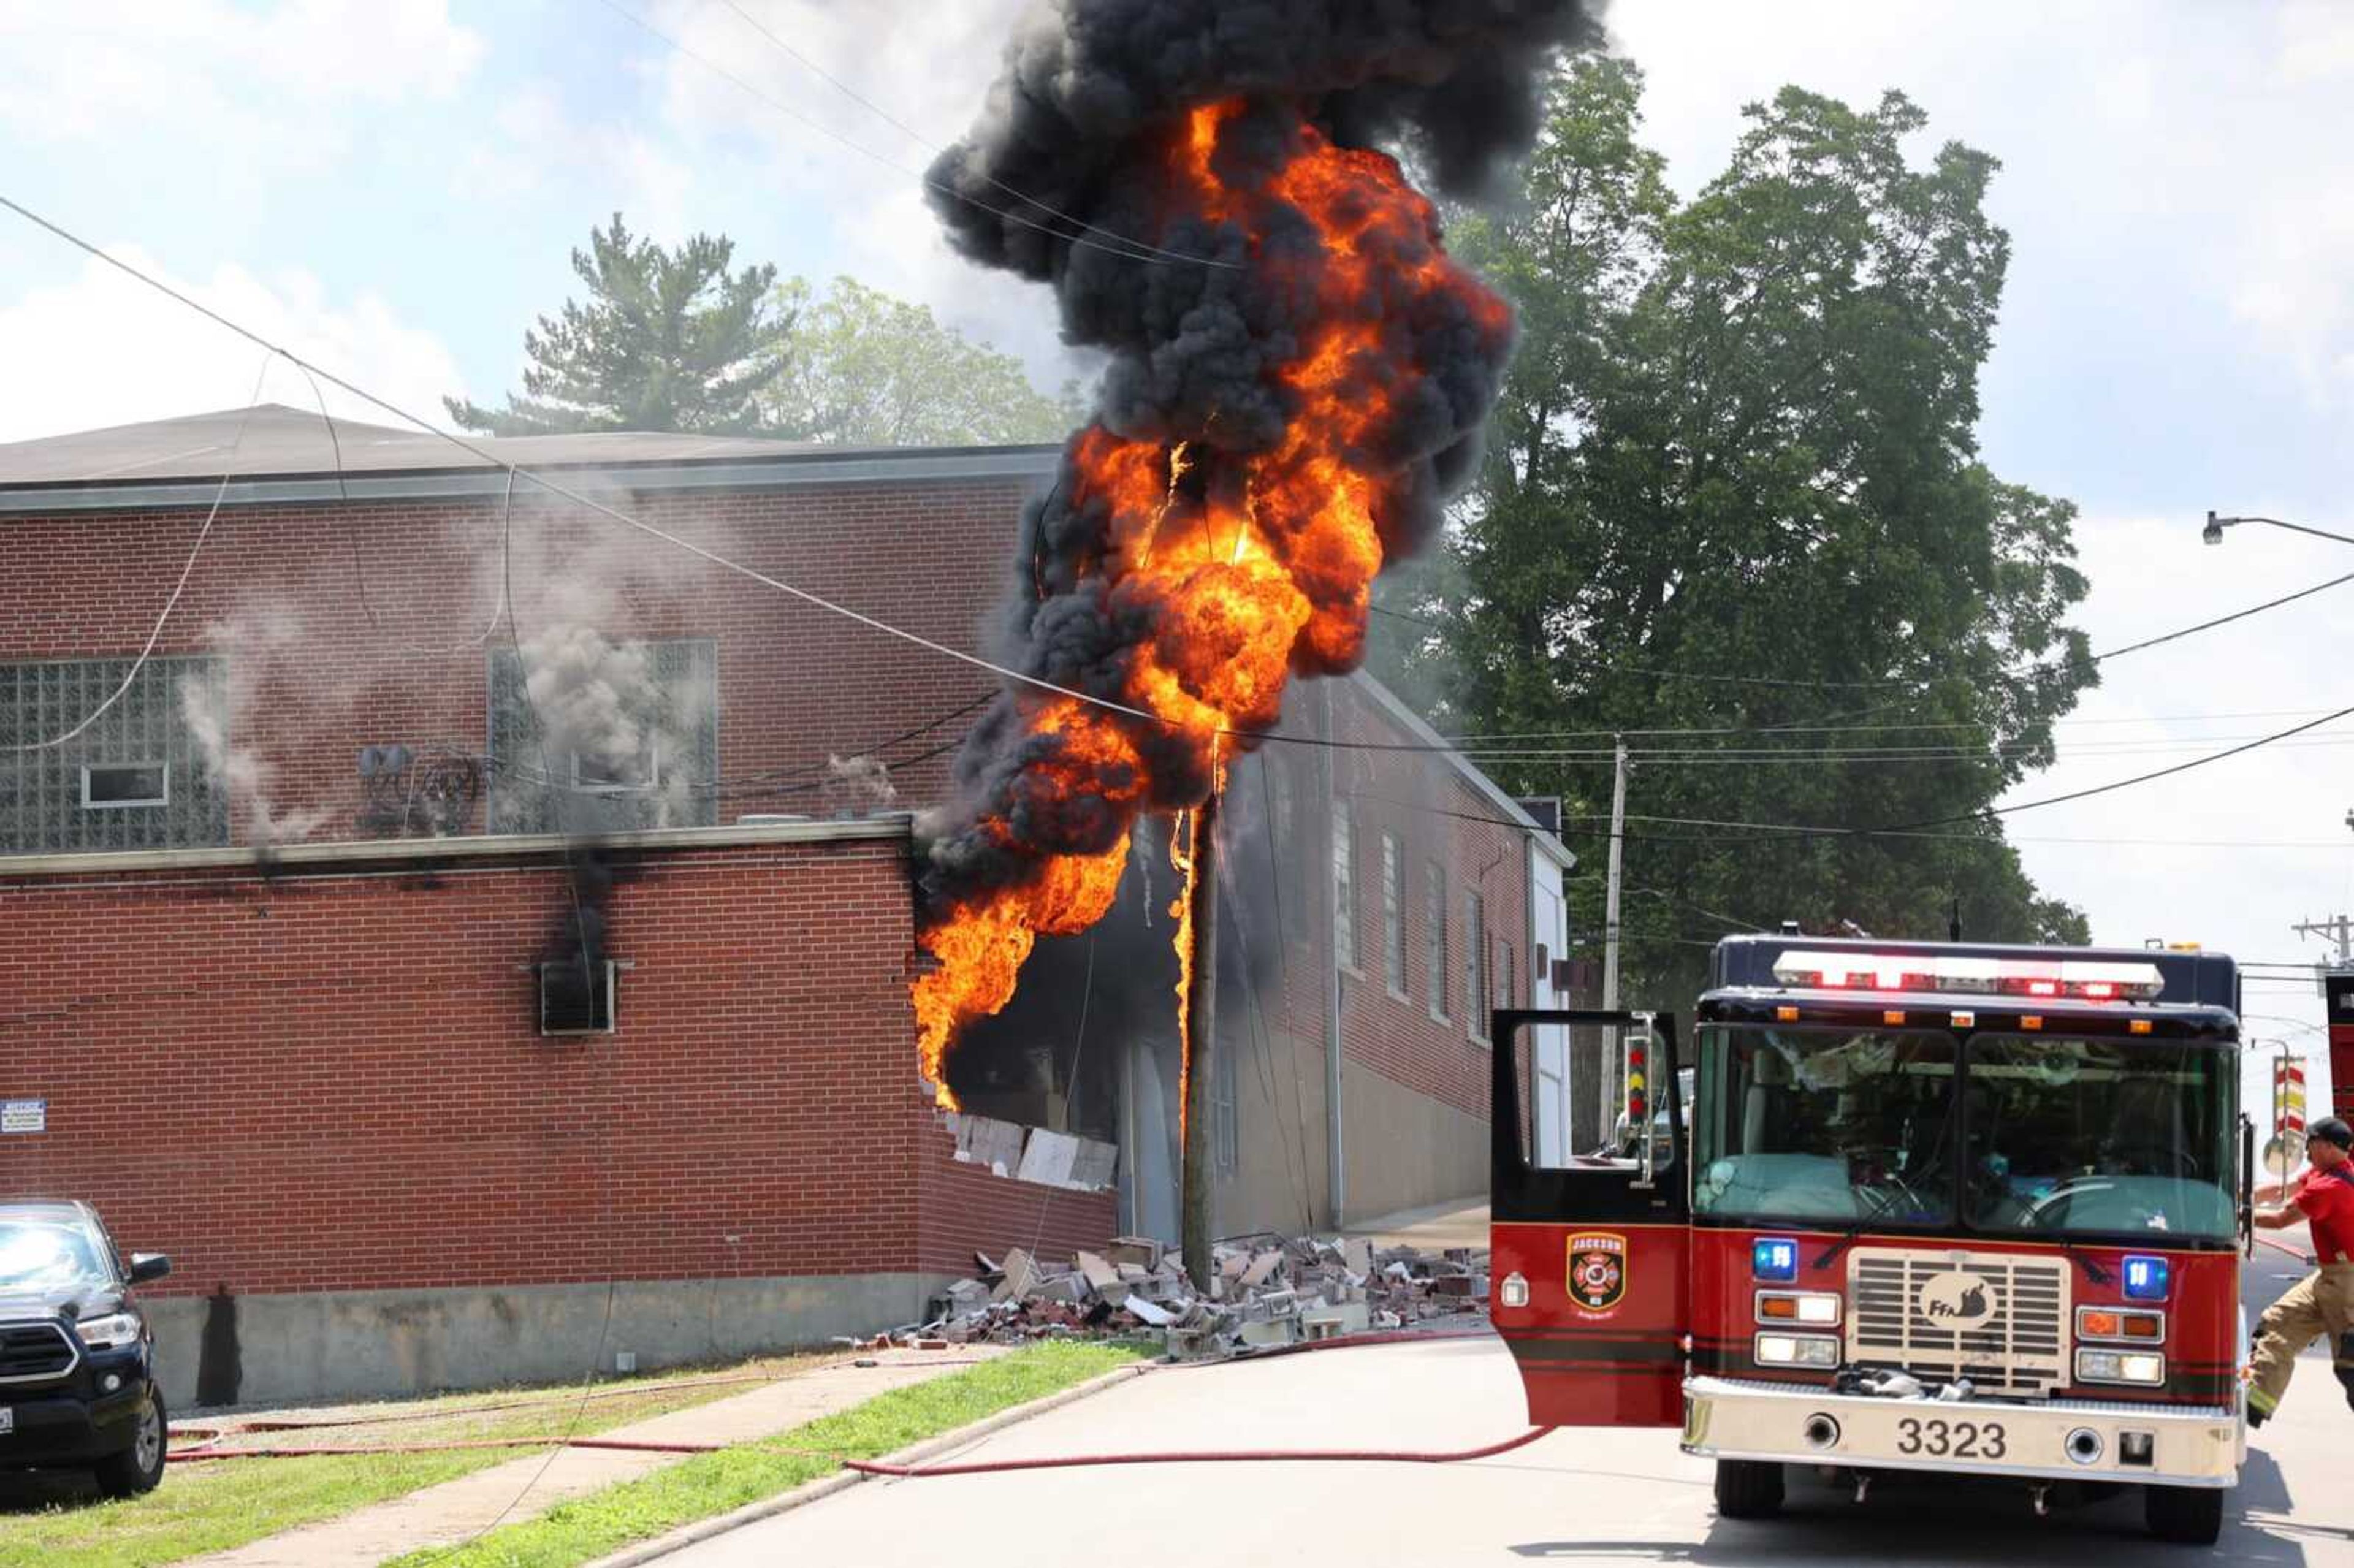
(575, 998)
(108, 785)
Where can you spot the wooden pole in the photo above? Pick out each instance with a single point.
(1200, 1058)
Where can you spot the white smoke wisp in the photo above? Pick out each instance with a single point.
(860, 783)
(210, 717)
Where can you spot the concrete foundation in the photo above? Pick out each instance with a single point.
(365, 1344)
(1406, 1150)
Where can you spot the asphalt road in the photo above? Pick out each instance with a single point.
(1573, 1496)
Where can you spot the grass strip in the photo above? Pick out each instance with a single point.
(47, 1521)
(708, 1484)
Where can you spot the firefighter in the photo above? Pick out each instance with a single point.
(2323, 1302)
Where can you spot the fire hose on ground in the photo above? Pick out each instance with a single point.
(878, 1467)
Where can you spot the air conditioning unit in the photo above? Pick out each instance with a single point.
(574, 1001)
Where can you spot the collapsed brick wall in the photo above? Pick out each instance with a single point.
(968, 1208)
(331, 1080)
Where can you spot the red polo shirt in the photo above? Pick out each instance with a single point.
(2326, 1198)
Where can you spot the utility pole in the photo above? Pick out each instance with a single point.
(2337, 928)
(1618, 862)
(1336, 1149)
(1200, 1058)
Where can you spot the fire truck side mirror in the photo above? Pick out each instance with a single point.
(2248, 1181)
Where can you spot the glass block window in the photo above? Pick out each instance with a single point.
(546, 786)
(1393, 919)
(1433, 942)
(1344, 886)
(136, 780)
(1476, 1000)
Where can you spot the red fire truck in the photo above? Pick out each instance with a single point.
(1938, 1207)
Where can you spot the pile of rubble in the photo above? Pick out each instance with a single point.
(1265, 1292)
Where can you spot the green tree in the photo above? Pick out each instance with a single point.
(1733, 490)
(860, 367)
(667, 340)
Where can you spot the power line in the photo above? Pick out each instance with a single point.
(578, 498)
(205, 532)
(929, 146)
(1127, 249)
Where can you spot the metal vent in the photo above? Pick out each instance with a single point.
(31, 1352)
(1998, 1320)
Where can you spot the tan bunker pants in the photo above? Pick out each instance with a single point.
(2322, 1303)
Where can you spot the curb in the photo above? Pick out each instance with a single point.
(815, 1491)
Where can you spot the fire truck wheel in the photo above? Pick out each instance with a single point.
(1748, 1489)
(2190, 1516)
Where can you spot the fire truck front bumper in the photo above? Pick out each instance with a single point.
(2059, 1440)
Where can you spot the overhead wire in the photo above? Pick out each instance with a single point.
(477, 450)
(1116, 244)
(933, 146)
(179, 585)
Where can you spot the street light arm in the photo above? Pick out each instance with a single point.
(2215, 527)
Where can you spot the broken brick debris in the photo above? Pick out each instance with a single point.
(1266, 1292)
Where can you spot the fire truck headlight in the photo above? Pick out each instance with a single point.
(2146, 1278)
(1815, 1309)
(1512, 1292)
(2120, 1366)
(1798, 1350)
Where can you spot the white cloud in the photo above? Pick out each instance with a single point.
(862, 170)
(101, 349)
(2233, 854)
(269, 88)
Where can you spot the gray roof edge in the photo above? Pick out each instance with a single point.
(891, 827)
(1414, 725)
(782, 472)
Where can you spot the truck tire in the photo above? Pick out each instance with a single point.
(2188, 1516)
(137, 1469)
(1748, 1489)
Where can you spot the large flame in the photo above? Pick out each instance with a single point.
(1259, 564)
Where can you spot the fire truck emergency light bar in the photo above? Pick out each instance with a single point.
(1978, 977)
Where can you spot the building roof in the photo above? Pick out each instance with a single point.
(274, 453)
(1509, 812)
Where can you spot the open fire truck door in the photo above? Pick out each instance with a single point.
(1590, 1260)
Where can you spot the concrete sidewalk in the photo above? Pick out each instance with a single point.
(1462, 1222)
(521, 1489)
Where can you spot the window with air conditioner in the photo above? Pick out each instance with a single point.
(646, 755)
(576, 996)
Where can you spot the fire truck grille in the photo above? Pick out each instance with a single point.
(1998, 1320)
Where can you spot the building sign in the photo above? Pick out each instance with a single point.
(23, 1115)
(2288, 1095)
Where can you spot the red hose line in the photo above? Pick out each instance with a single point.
(324, 1451)
(1206, 1456)
(2283, 1247)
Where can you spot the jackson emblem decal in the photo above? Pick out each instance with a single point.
(1598, 1270)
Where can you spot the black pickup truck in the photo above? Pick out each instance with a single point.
(76, 1358)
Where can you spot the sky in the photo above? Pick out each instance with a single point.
(393, 187)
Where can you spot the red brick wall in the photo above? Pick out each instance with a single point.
(333, 1080)
(965, 1207)
(363, 624)
(1434, 814)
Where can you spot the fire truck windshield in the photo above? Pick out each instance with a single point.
(2099, 1136)
(2025, 1135)
(1802, 1124)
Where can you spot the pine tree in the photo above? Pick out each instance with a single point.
(667, 340)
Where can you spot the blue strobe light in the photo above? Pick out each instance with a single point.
(1774, 1259)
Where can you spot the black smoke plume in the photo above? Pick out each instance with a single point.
(1077, 133)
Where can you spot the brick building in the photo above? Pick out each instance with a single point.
(282, 920)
